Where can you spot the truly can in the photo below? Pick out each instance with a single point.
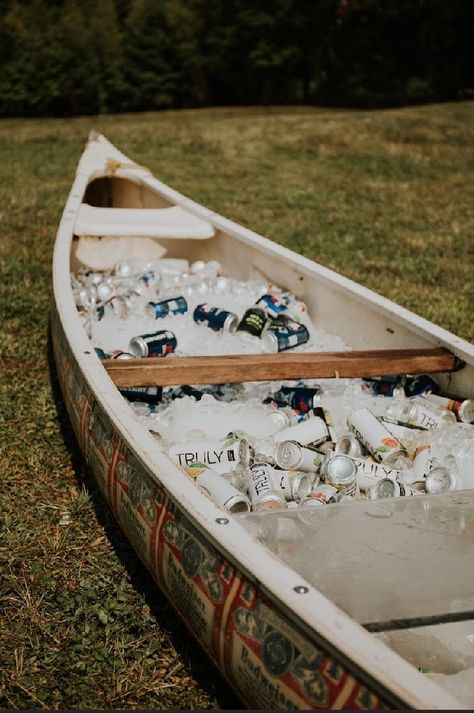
(375, 436)
(147, 394)
(155, 344)
(422, 463)
(293, 484)
(388, 488)
(440, 480)
(219, 455)
(273, 305)
(414, 412)
(216, 318)
(420, 385)
(348, 445)
(340, 472)
(324, 493)
(464, 410)
(325, 415)
(219, 490)
(120, 354)
(283, 334)
(253, 322)
(312, 431)
(158, 310)
(368, 472)
(262, 493)
(300, 398)
(289, 455)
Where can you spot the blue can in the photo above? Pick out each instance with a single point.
(385, 386)
(283, 334)
(155, 344)
(177, 305)
(217, 319)
(419, 385)
(100, 353)
(273, 305)
(146, 394)
(301, 399)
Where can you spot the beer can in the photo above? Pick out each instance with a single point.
(385, 386)
(120, 354)
(262, 493)
(158, 310)
(340, 472)
(273, 305)
(439, 480)
(368, 472)
(279, 417)
(348, 445)
(375, 436)
(220, 491)
(464, 410)
(313, 431)
(289, 455)
(283, 334)
(323, 493)
(293, 484)
(146, 394)
(155, 344)
(422, 463)
(218, 455)
(217, 319)
(388, 488)
(414, 412)
(420, 385)
(253, 322)
(301, 399)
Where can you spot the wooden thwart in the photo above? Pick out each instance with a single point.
(159, 371)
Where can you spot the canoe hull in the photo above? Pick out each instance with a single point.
(267, 660)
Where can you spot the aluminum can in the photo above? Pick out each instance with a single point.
(283, 334)
(293, 484)
(385, 386)
(273, 305)
(324, 493)
(417, 414)
(279, 417)
(253, 322)
(464, 410)
(155, 344)
(388, 488)
(178, 305)
(146, 394)
(289, 455)
(221, 456)
(123, 268)
(340, 472)
(368, 473)
(219, 490)
(440, 480)
(187, 390)
(262, 493)
(420, 385)
(325, 415)
(100, 353)
(217, 319)
(119, 354)
(348, 445)
(121, 305)
(375, 436)
(422, 463)
(312, 431)
(301, 399)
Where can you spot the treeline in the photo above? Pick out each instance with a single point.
(65, 57)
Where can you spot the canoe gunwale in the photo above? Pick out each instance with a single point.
(381, 668)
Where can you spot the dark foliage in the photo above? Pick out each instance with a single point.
(66, 57)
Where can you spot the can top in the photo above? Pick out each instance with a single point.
(138, 347)
(287, 454)
(466, 411)
(439, 480)
(340, 470)
(385, 488)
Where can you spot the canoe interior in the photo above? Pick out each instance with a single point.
(410, 586)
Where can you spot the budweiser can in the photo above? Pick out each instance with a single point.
(262, 493)
(289, 454)
(156, 344)
(388, 488)
(312, 431)
(375, 436)
(340, 472)
(464, 410)
(293, 484)
(369, 473)
(219, 455)
(417, 414)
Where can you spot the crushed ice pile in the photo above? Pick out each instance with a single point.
(270, 445)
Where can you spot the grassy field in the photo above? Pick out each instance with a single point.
(384, 197)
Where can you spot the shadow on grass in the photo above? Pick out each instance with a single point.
(203, 670)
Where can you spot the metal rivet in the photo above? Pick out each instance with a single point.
(300, 589)
(222, 521)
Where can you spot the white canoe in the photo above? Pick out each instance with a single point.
(314, 628)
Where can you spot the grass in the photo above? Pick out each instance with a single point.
(384, 197)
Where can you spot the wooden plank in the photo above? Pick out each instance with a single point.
(220, 369)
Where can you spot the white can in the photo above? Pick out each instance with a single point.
(375, 437)
(219, 490)
(311, 430)
(340, 472)
(348, 445)
(219, 455)
(464, 410)
(289, 454)
(369, 473)
(261, 489)
(293, 484)
(421, 463)
(388, 488)
(417, 414)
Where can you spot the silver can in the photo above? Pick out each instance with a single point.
(289, 454)
(312, 431)
(293, 484)
(440, 480)
(340, 472)
(375, 436)
(388, 488)
(261, 489)
(417, 414)
(348, 445)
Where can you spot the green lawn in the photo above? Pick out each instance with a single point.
(384, 197)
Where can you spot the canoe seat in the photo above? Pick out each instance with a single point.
(140, 222)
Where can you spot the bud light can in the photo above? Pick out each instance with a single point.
(284, 334)
(274, 306)
(421, 385)
(156, 344)
(217, 319)
(301, 399)
(178, 305)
